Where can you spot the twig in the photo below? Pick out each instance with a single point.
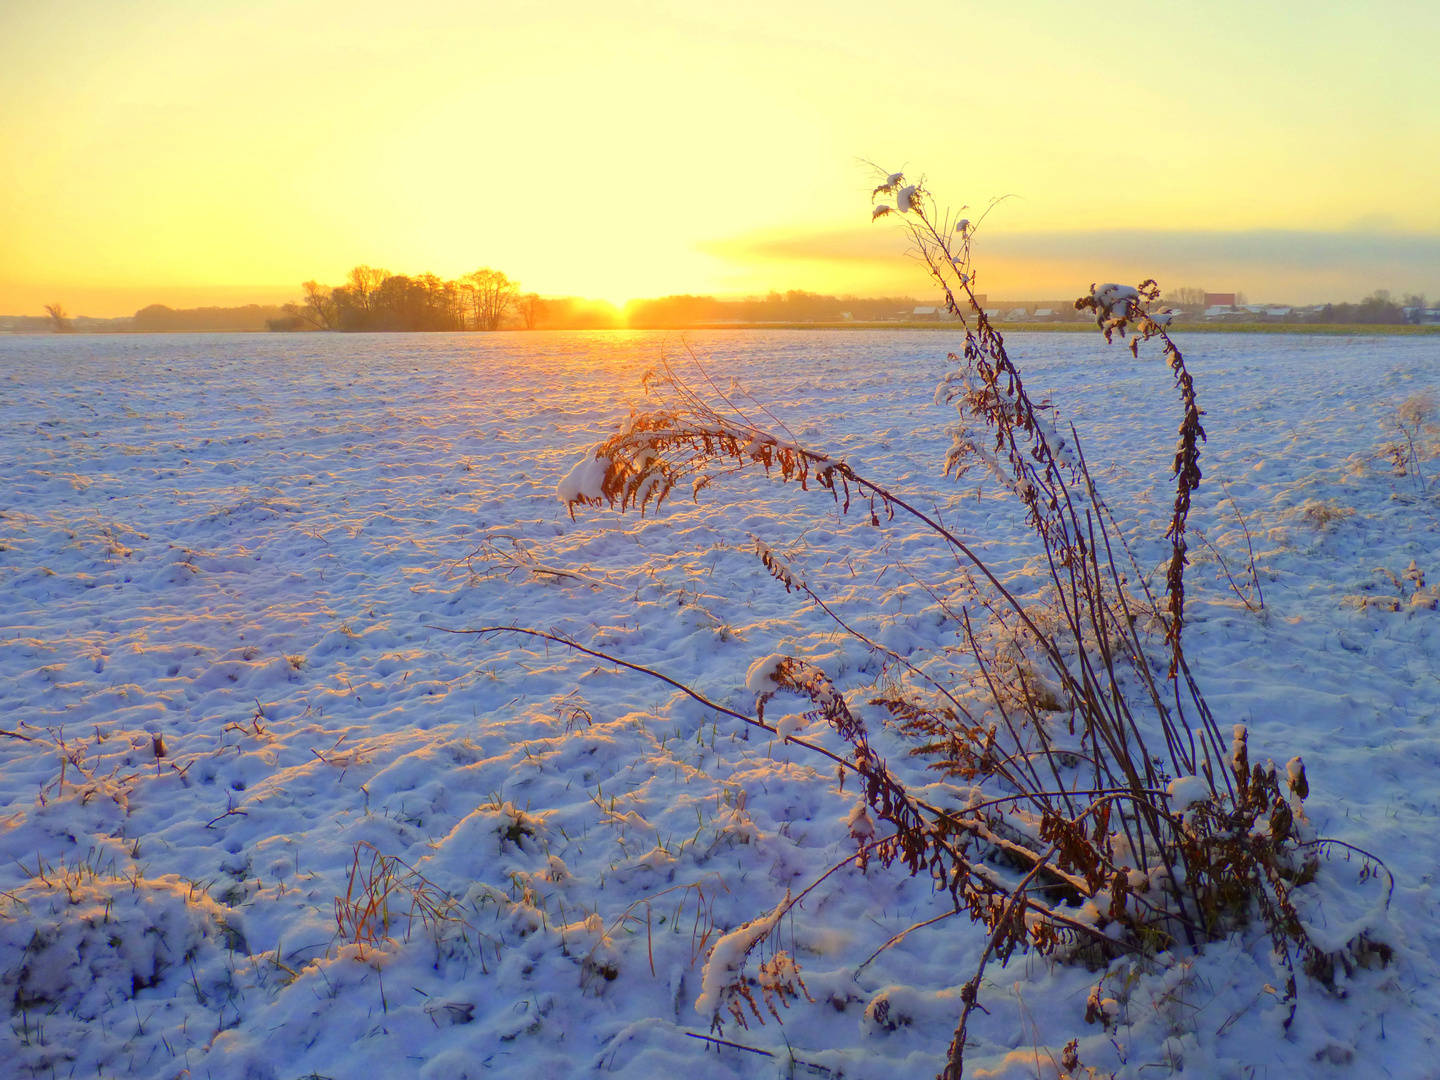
(901, 937)
(727, 1042)
(970, 993)
(1225, 567)
(1249, 545)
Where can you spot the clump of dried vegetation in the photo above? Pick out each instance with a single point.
(1414, 420)
(1111, 812)
(384, 891)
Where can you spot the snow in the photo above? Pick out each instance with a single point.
(860, 824)
(229, 569)
(722, 970)
(1186, 791)
(1109, 295)
(789, 725)
(760, 677)
(585, 481)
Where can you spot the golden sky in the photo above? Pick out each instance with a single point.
(223, 151)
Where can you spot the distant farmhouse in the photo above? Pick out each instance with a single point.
(935, 313)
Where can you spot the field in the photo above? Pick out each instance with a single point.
(265, 815)
(1087, 326)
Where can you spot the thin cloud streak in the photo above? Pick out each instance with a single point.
(1292, 265)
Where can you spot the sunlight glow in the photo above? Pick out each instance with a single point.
(173, 150)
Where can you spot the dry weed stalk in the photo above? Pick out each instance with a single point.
(1100, 775)
(381, 891)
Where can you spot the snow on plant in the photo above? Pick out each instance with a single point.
(724, 985)
(1109, 814)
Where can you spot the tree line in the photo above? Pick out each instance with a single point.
(374, 299)
(1378, 307)
(159, 319)
(487, 299)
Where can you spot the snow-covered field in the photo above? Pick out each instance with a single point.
(229, 566)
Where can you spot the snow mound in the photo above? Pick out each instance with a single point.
(86, 951)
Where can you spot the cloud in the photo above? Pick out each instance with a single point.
(1298, 266)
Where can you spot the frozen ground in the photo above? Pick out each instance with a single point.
(245, 551)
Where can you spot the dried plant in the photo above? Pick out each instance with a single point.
(384, 890)
(1414, 417)
(494, 559)
(1097, 781)
(1322, 513)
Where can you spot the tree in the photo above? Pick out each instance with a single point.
(1185, 297)
(319, 309)
(377, 300)
(59, 320)
(532, 309)
(1378, 307)
(364, 282)
(493, 295)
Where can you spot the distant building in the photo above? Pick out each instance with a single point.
(1018, 314)
(1277, 313)
(1045, 314)
(924, 314)
(1219, 299)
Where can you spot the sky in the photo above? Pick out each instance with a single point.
(222, 152)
